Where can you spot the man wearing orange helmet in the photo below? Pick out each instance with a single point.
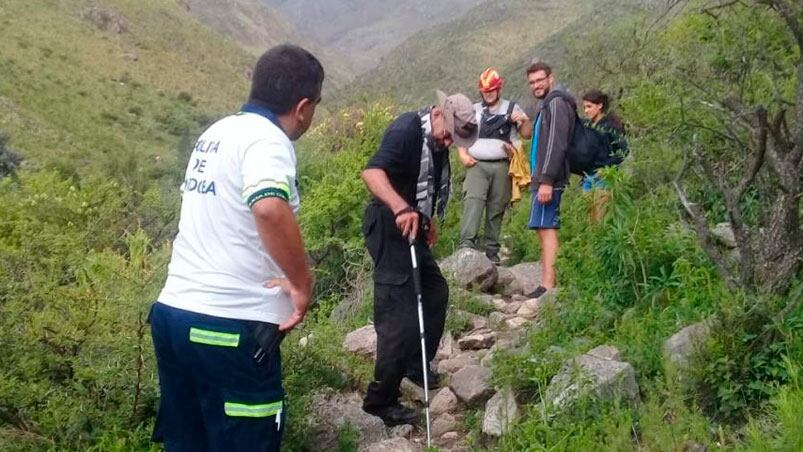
(487, 185)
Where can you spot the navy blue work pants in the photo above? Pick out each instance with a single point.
(214, 395)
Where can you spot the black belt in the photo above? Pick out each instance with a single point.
(493, 161)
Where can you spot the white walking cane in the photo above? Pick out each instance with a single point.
(424, 365)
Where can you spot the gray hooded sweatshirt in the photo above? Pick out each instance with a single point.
(558, 112)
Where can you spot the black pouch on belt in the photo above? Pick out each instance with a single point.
(268, 338)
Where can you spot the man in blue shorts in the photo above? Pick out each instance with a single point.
(552, 135)
(238, 279)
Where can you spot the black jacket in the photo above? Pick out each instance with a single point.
(615, 140)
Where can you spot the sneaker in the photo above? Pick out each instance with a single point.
(494, 257)
(540, 290)
(393, 415)
(417, 377)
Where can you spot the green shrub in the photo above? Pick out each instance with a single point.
(780, 429)
(745, 362)
(331, 158)
(75, 291)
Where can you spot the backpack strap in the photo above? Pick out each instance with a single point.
(510, 106)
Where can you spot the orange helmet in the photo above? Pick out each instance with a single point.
(490, 80)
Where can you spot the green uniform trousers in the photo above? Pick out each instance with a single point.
(486, 188)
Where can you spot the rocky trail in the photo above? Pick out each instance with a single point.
(464, 364)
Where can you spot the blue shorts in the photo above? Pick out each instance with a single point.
(214, 394)
(593, 182)
(545, 216)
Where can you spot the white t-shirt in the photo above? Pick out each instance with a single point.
(219, 266)
(492, 148)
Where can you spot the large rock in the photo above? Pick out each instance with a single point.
(477, 340)
(444, 402)
(472, 384)
(447, 438)
(590, 375)
(452, 365)
(361, 341)
(500, 413)
(401, 431)
(331, 412)
(471, 269)
(723, 232)
(504, 280)
(679, 348)
(496, 320)
(515, 323)
(388, 445)
(447, 347)
(476, 321)
(605, 352)
(413, 392)
(523, 278)
(531, 308)
(507, 307)
(443, 424)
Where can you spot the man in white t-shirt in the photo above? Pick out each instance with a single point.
(238, 279)
(487, 185)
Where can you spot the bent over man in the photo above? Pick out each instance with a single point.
(409, 178)
(217, 325)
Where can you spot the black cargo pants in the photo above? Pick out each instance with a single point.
(398, 347)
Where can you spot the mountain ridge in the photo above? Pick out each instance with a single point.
(256, 26)
(365, 30)
(452, 56)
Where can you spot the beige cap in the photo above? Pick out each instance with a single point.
(459, 118)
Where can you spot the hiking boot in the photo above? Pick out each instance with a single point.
(540, 290)
(417, 377)
(392, 415)
(494, 257)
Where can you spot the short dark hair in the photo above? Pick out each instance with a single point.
(284, 75)
(539, 66)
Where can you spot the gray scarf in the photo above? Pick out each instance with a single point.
(426, 193)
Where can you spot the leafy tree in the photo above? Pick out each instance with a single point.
(749, 149)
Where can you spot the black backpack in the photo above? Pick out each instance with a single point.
(586, 148)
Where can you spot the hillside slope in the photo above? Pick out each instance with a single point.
(111, 85)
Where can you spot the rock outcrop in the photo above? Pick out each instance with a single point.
(591, 375)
